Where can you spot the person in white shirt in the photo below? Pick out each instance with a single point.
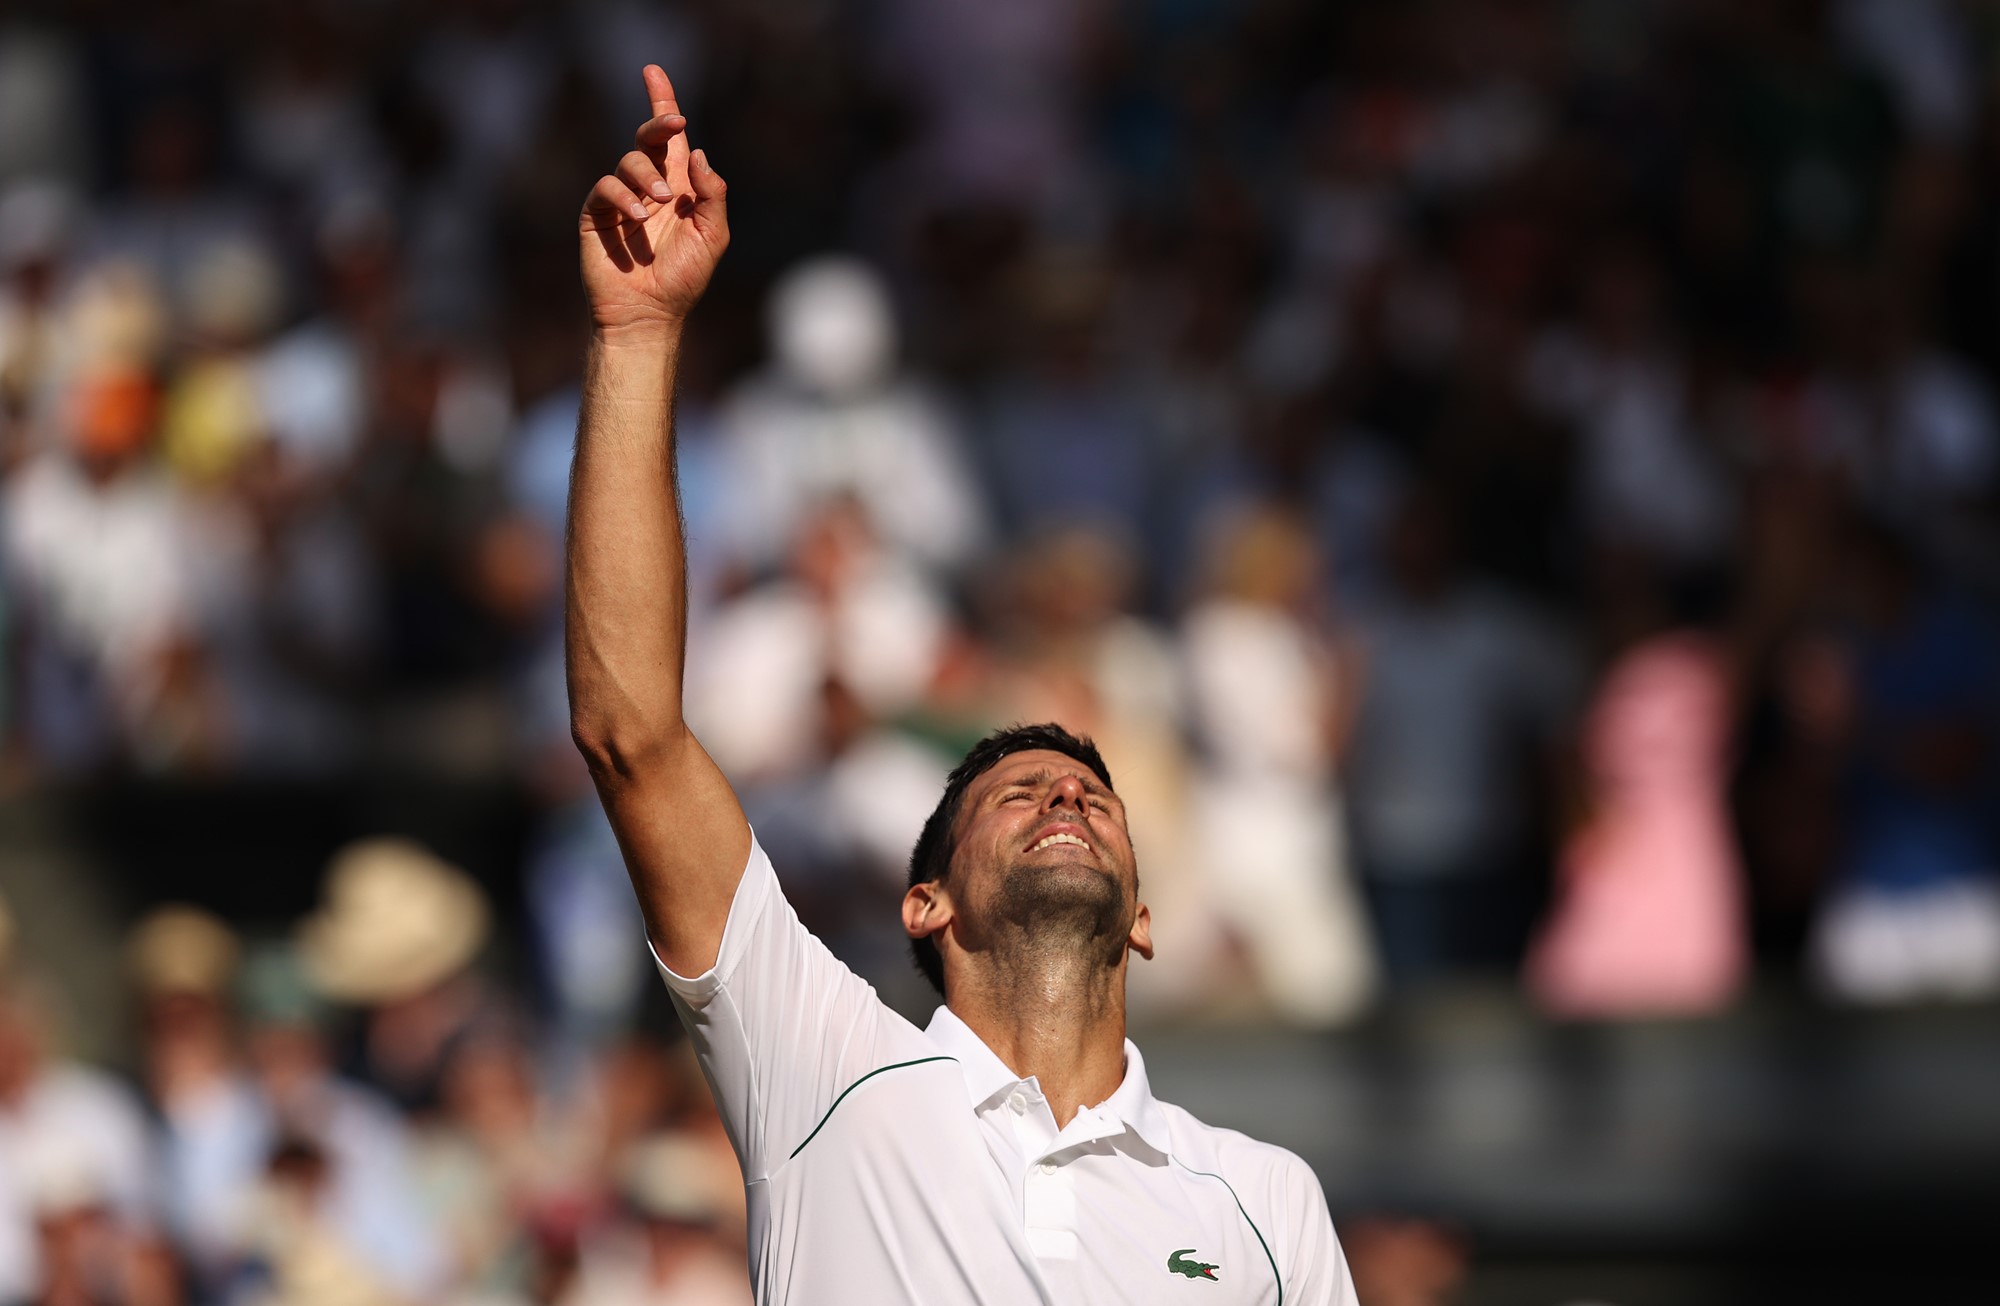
(1011, 1152)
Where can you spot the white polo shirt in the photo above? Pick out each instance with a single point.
(887, 1164)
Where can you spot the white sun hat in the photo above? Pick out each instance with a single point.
(395, 920)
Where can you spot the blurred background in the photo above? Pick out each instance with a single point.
(1512, 485)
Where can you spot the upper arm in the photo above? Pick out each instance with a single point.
(685, 841)
(780, 1025)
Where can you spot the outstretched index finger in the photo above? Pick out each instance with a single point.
(671, 154)
(660, 90)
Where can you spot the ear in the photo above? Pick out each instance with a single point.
(1141, 938)
(926, 909)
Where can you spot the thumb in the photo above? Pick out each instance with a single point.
(711, 210)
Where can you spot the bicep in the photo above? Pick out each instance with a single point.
(685, 841)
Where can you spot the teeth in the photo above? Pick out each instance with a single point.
(1060, 838)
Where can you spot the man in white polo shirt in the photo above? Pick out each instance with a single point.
(1010, 1153)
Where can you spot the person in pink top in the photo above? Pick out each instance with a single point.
(1648, 919)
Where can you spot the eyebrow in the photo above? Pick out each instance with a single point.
(1091, 784)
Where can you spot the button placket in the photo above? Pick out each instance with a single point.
(1051, 1212)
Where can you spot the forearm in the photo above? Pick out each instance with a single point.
(645, 263)
(626, 591)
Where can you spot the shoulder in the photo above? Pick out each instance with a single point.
(86, 1098)
(1274, 1176)
(1280, 1197)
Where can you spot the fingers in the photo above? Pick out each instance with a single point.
(655, 134)
(711, 210)
(709, 187)
(639, 173)
(660, 90)
(610, 202)
(664, 136)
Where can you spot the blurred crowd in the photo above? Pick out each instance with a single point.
(1512, 485)
(354, 1117)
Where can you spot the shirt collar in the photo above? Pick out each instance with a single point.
(987, 1076)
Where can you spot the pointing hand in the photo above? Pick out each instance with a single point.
(652, 232)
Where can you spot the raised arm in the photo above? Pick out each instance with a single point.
(650, 235)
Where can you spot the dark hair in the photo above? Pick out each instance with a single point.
(931, 858)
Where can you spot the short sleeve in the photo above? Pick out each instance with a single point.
(779, 1024)
(1316, 1272)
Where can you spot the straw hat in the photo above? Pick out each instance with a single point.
(395, 921)
(182, 949)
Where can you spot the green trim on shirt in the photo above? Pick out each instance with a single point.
(1246, 1219)
(900, 1065)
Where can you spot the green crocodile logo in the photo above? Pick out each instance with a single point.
(1192, 1269)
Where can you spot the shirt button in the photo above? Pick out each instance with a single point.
(1047, 1167)
(1018, 1104)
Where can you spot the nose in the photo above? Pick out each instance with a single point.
(1064, 791)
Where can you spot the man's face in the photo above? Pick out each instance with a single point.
(1041, 844)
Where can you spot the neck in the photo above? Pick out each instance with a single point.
(1059, 1019)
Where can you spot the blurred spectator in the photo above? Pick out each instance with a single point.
(212, 415)
(669, 1252)
(176, 201)
(1405, 1262)
(1916, 910)
(1464, 696)
(296, 1251)
(1271, 698)
(834, 418)
(100, 548)
(308, 1157)
(183, 964)
(1066, 442)
(1649, 474)
(38, 219)
(304, 125)
(396, 934)
(1649, 918)
(496, 1165)
(90, 1259)
(78, 1171)
(593, 962)
(847, 610)
(1911, 428)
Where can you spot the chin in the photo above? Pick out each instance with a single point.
(1079, 891)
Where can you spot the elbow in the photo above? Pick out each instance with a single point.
(618, 752)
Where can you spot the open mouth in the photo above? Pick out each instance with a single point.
(1060, 837)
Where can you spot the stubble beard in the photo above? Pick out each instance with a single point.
(1073, 913)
